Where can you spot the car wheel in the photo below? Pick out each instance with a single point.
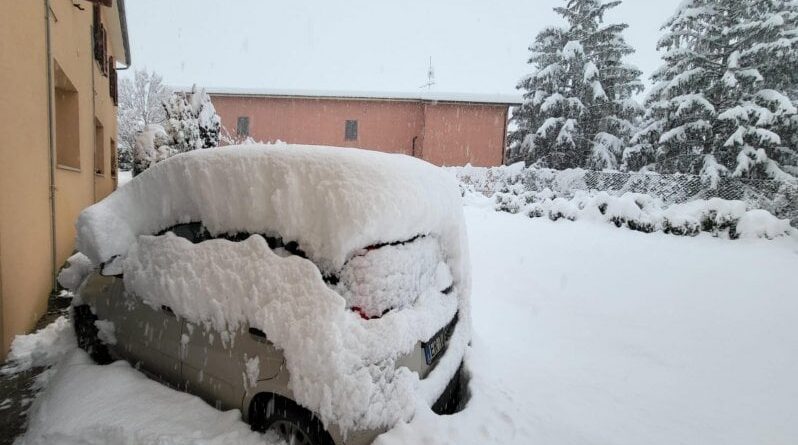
(294, 424)
(86, 332)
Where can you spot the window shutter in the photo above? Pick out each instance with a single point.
(97, 34)
(112, 81)
(104, 61)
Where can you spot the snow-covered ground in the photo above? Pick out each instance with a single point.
(124, 176)
(584, 334)
(589, 334)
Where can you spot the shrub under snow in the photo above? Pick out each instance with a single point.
(778, 198)
(152, 146)
(644, 213)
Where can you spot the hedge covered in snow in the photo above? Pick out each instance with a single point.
(778, 198)
(644, 213)
(673, 205)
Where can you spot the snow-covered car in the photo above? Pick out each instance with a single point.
(322, 291)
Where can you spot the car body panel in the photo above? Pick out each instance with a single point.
(196, 359)
(215, 366)
(146, 337)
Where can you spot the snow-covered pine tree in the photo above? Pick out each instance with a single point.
(720, 103)
(578, 109)
(182, 124)
(209, 122)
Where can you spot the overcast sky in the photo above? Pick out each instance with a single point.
(368, 45)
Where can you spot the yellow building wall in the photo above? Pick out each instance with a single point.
(25, 218)
(25, 255)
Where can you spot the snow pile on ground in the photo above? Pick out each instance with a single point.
(332, 201)
(77, 268)
(648, 214)
(42, 348)
(88, 404)
(341, 366)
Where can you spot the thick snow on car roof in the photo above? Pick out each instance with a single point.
(330, 200)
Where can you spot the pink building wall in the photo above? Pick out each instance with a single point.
(444, 133)
(456, 134)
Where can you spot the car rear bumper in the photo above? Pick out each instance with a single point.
(453, 399)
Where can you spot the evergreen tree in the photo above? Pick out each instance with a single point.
(720, 104)
(182, 125)
(578, 109)
(209, 122)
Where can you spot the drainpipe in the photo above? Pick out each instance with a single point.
(504, 135)
(50, 141)
(94, 122)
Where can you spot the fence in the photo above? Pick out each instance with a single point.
(777, 197)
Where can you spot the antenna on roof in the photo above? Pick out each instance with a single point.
(430, 76)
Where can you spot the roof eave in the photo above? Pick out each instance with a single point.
(364, 98)
(120, 5)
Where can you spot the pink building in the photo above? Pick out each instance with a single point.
(444, 129)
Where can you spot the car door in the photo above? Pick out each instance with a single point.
(147, 337)
(220, 368)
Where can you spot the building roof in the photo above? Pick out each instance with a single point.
(423, 96)
(123, 23)
(116, 21)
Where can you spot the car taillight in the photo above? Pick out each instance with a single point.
(365, 315)
(360, 312)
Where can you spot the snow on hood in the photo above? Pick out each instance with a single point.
(330, 200)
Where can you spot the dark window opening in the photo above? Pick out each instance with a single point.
(242, 126)
(350, 131)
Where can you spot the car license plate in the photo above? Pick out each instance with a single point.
(435, 346)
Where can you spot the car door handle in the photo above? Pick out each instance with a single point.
(258, 334)
(168, 310)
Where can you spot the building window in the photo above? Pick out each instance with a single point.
(350, 131)
(67, 142)
(99, 148)
(242, 126)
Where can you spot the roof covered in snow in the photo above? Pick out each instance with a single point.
(422, 96)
